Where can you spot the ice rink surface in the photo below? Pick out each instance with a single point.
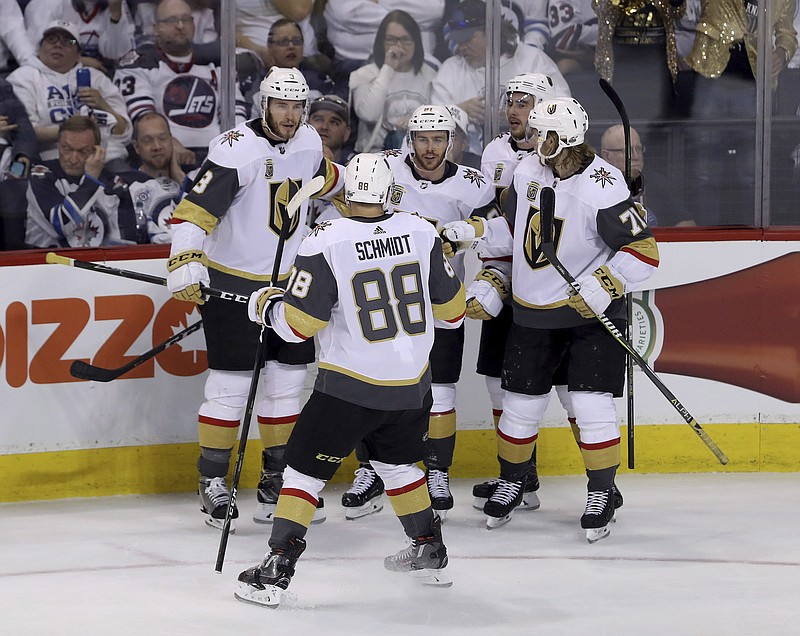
(705, 554)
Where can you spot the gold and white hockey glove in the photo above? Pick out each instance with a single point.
(188, 274)
(485, 295)
(597, 291)
(458, 236)
(261, 302)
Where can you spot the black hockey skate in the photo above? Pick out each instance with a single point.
(617, 496)
(598, 514)
(264, 584)
(530, 500)
(425, 558)
(499, 508)
(439, 491)
(365, 496)
(214, 498)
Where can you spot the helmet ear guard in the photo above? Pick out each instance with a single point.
(368, 179)
(283, 83)
(563, 116)
(430, 117)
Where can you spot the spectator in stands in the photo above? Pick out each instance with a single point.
(461, 80)
(532, 19)
(15, 46)
(205, 20)
(48, 88)
(166, 79)
(105, 28)
(665, 203)
(17, 151)
(72, 200)
(352, 25)
(157, 186)
(458, 151)
(254, 19)
(386, 92)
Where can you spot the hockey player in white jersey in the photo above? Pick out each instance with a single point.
(371, 288)
(603, 241)
(440, 191)
(225, 232)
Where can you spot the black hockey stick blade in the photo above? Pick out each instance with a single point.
(85, 371)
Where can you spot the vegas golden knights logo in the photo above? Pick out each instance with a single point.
(280, 194)
(498, 171)
(397, 194)
(532, 243)
(551, 109)
(268, 169)
(533, 190)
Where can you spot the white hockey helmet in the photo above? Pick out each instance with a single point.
(430, 117)
(284, 83)
(562, 115)
(368, 179)
(537, 84)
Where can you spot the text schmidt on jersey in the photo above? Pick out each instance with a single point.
(379, 248)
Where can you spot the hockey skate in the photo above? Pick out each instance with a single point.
(264, 584)
(425, 558)
(439, 491)
(598, 514)
(269, 488)
(618, 501)
(214, 498)
(499, 508)
(365, 496)
(530, 500)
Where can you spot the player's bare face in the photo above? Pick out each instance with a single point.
(284, 117)
(430, 147)
(518, 105)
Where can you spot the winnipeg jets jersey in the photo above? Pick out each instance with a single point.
(157, 198)
(595, 220)
(573, 24)
(454, 197)
(187, 94)
(240, 194)
(371, 288)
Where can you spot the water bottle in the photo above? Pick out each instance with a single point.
(141, 223)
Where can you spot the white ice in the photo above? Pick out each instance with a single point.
(708, 554)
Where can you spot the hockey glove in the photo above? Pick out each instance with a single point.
(458, 236)
(597, 292)
(485, 295)
(261, 302)
(188, 274)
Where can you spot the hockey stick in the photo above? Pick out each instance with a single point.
(60, 259)
(84, 371)
(300, 197)
(547, 212)
(626, 129)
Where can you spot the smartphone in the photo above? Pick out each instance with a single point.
(84, 78)
(18, 169)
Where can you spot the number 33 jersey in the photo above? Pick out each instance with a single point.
(372, 288)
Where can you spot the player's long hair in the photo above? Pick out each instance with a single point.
(569, 160)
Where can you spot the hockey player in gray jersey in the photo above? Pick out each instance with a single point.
(602, 239)
(226, 232)
(440, 191)
(371, 287)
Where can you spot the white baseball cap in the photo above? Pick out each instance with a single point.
(63, 25)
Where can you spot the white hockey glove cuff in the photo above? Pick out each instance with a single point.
(458, 236)
(261, 302)
(188, 274)
(597, 291)
(486, 294)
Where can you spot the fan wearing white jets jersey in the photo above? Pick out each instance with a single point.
(602, 239)
(226, 232)
(371, 286)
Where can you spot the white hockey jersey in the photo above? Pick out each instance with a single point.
(573, 25)
(52, 98)
(454, 197)
(595, 221)
(370, 288)
(187, 94)
(241, 190)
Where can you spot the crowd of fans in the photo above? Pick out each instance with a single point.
(82, 70)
